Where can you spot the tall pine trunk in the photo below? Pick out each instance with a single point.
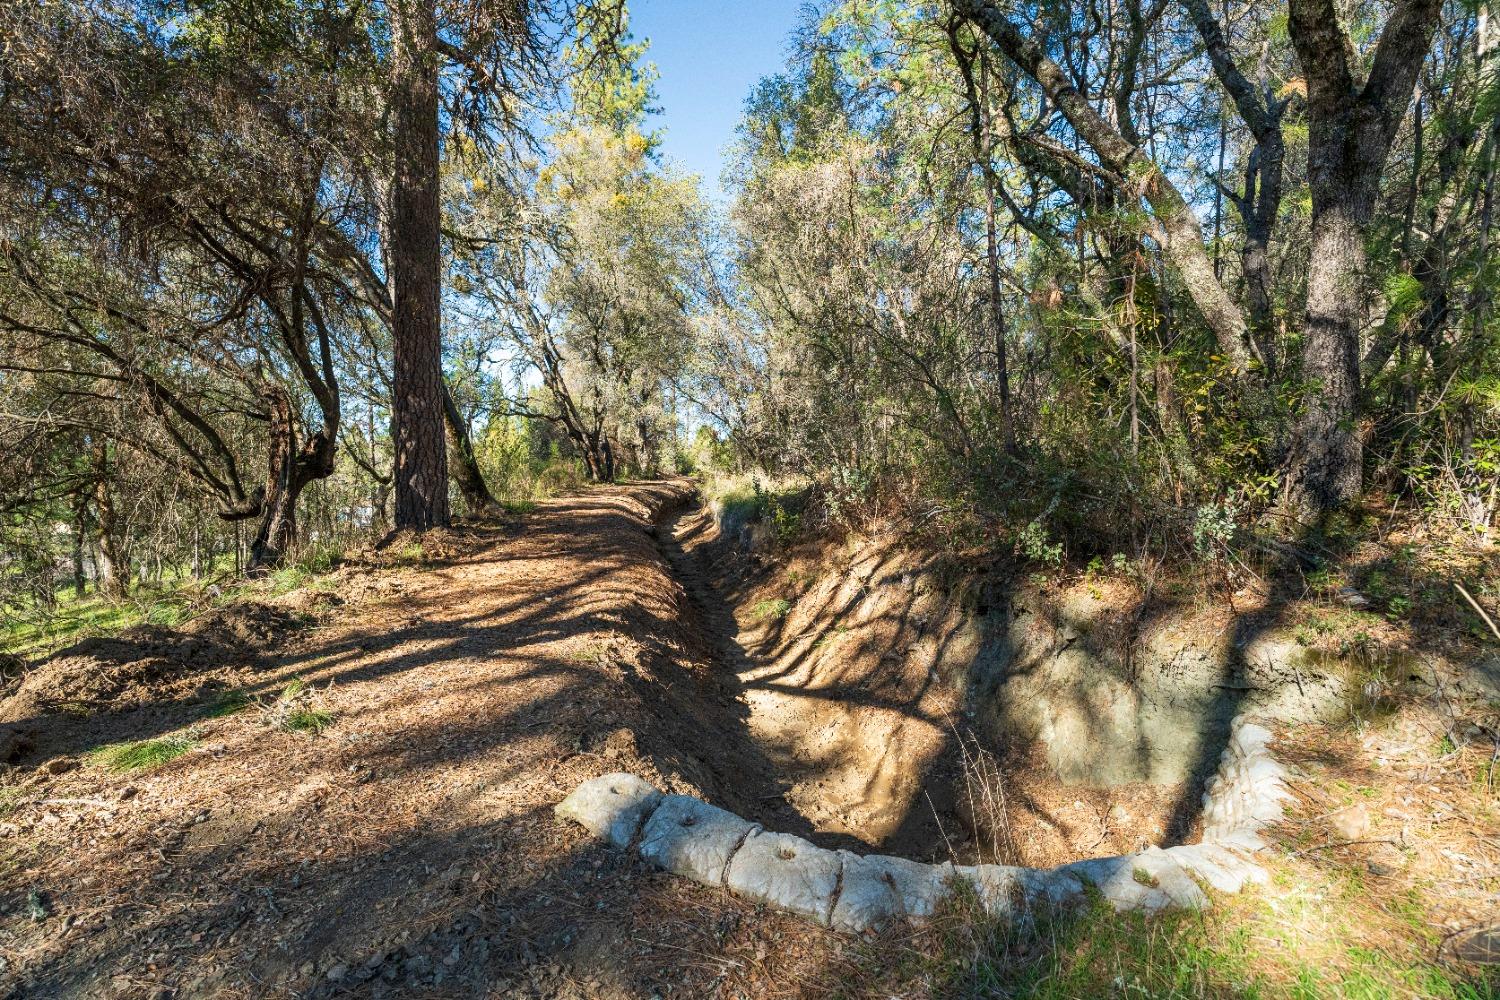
(421, 460)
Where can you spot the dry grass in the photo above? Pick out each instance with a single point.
(983, 802)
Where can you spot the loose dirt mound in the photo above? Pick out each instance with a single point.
(148, 663)
(121, 672)
(105, 689)
(255, 624)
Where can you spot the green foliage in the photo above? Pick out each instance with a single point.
(745, 500)
(1213, 529)
(614, 88)
(229, 703)
(145, 755)
(1034, 545)
(1101, 953)
(770, 609)
(319, 558)
(307, 720)
(299, 708)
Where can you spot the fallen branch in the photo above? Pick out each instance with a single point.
(1475, 604)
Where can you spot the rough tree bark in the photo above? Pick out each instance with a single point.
(463, 464)
(80, 526)
(114, 563)
(418, 426)
(289, 469)
(1260, 202)
(1351, 127)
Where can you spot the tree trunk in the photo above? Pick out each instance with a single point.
(599, 457)
(984, 144)
(421, 473)
(1351, 128)
(463, 466)
(1177, 227)
(114, 564)
(1328, 448)
(80, 526)
(278, 521)
(1260, 203)
(289, 470)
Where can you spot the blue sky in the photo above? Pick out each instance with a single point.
(710, 53)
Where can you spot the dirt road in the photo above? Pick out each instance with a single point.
(410, 848)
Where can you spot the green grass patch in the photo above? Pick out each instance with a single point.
(770, 610)
(141, 756)
(34, 635)
(297, 710)
(1304, 945)
(517, 506)
(32, 631)
(1103, 953)
(229, 703)
(307, 720)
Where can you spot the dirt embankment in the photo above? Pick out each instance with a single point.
(930, 708)
(409, 849)
(861, 660)
(110, 687)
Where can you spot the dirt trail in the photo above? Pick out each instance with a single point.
(410, 849)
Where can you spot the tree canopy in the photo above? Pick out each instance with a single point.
(1090, 271)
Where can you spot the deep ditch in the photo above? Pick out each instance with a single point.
(1001, 723)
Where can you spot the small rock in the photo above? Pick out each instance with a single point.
(60, 765)
(338, 972)
(1352, 823)
(1353, 598)
(1481, 947)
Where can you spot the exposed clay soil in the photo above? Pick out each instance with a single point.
(856, 692)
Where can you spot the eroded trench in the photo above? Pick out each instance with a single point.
(925, 712)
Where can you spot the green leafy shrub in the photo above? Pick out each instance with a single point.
(1034, 545)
